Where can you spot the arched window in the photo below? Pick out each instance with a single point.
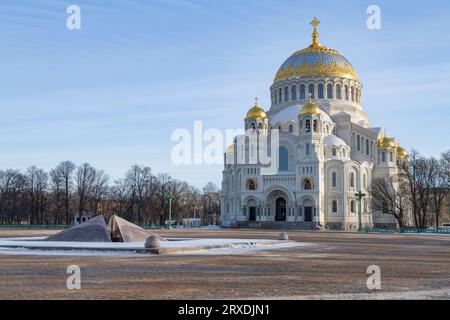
(279, 128)
(315, 126)
(329, 91)
(280, 95)
(320, 91)
(353, 94)
(338, 92)
(356, 95)
(352, 180)
(367, 147)
(352, 206)
(302, 92)
(286, 94)
(334, 179)
(307, 149)
(334, 207)
(383, 156)
(346, 93)
(251, 184)
(358, 142)
(391, 156)
(308, 184)
(294, 92)
(284, 159)
(344, 153)
(308, 125)
(333, 152)
(311, 91)
(291, 128)
(275, 97)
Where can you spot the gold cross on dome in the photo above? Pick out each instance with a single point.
(256, 101)
(315, 35)
(315, 23)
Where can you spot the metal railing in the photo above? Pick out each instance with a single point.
(407, 231)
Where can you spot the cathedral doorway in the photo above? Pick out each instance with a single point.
(252, 214)
(308, 210)
(280, 209)
(308, 214)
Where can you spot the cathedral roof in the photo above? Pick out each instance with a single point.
(332, 140)
(291, 114)
(310, 107)
(386, 142)
(401, 152)
(316, 60)
(256, 112)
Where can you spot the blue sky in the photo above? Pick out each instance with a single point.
(112, 93)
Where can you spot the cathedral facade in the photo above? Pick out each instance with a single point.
(327, 155)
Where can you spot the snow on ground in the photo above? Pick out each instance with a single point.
(61, 253)
(34, 246)
(242, 248)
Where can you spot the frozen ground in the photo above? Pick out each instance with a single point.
(330, 265)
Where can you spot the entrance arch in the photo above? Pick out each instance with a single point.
(280, 209)
(278, 201)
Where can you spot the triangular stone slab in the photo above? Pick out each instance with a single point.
(121, 230)
(94, 230)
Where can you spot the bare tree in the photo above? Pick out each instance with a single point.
(390, 197)
(12, 197)
(211, 201)
(99, 190)
(418, 172)
(85, 183)
(440, 184)
(65, 170)
(138, 180)
(37, 184)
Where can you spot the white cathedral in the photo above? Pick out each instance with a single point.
(328, 152)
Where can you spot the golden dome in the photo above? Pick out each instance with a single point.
(386, 142)
(256, 112)
(230, 149)
(401, 152)
(310, 108)
(316, 60)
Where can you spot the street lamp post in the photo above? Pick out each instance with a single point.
(359, 196)
(194, 207)
(171, 197)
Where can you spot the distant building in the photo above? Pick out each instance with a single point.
(84, 217)
(192, 222)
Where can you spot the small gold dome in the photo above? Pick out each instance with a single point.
(230, 149)
(310, 108)
(386, 142)
(401, 152)
(256, 112)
